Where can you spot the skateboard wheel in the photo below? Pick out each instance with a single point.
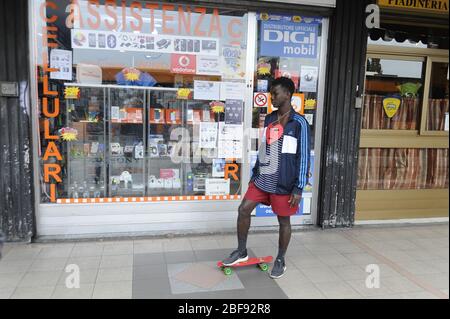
(227, 271)
(264, 267)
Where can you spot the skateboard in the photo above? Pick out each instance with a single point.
(260, 262)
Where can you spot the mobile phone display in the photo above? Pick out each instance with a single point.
(196, 45)
(101, 41)
(92, 40)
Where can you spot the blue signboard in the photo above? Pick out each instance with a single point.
(289, 39)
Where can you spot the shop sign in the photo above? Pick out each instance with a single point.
(183, 64)
(437, 6)
(289, 39)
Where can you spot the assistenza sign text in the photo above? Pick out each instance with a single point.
(289, 39)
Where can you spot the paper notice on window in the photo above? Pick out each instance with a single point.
(446, 122)
(61, 60)
(229, 149)
(232, 91)
(308, 78)
(217, 186)
(208, 135)
(208, 65)
(234, 111)
(206, 90)
(231, 132)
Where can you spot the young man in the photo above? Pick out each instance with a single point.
(279, 175)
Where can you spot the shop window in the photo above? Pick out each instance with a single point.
(401, 169)
(393, 94)
(437, 119)
(139, 108)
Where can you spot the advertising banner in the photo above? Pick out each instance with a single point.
(289, 39)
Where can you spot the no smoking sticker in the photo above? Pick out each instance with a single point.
(261, 99)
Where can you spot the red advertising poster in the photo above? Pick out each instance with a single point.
(183, 64)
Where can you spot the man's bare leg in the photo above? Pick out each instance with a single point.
(243, 225)
(243, 222)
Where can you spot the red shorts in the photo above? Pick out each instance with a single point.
(280, 203)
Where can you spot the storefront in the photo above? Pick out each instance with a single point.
(403, 159)
(147, 116)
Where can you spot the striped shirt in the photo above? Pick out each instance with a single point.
(269, 166)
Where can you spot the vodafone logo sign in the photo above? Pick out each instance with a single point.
(183, 64)
(184, 61)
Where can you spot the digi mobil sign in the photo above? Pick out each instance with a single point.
(289, 39)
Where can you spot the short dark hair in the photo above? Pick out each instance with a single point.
(285, 83)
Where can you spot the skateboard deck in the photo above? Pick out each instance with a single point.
(261, 262)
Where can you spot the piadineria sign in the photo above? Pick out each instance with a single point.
(437, 6)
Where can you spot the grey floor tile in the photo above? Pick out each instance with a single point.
(15, 266)
(320, 274)
(177, 244)
(56, 264)
(350, 272)
(439, 281)
(87, 276)
(211, 255)
(118, 249)
(204, 243)
(400, 284)
(84, 292)
(305, 291)
(63, 251)
(38, 279)
(85, 262)
(10, 280)
(6, 293)
(117, 261)
(113, 290)
(87, 251)
(179, 257)
(115, 274)
(42, 292)
(362, 289)
(157, 285)
(334, 260)
(338, 290)
(149, 271)
(148, 259)
(254, 278)
(21, 254)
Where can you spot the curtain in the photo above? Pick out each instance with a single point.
(400, 168)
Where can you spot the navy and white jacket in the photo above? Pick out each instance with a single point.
(295, 155)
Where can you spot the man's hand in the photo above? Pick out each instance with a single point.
(295, 200)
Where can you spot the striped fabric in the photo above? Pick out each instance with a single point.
(374, 116)
(436, 114)
(399, 168)
(304, 151)
(269, 167)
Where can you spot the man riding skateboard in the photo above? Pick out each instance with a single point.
(280, 173)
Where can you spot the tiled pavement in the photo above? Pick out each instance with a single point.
(413, 263)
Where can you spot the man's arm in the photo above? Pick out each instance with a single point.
(303, 157)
